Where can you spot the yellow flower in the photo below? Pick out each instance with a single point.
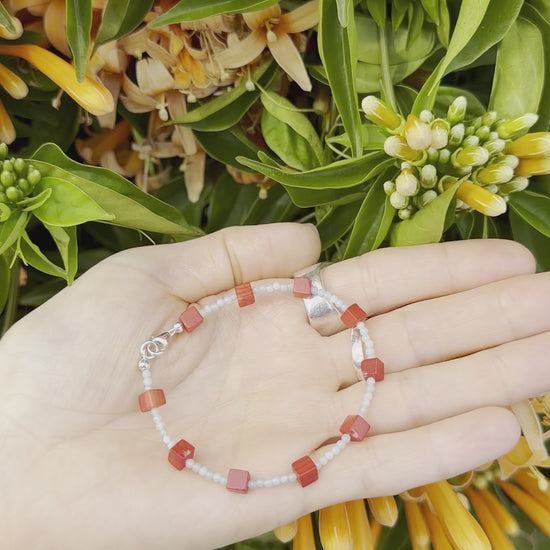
(359, 524)
(536, 144)
(304, 539)
(334, 528)
(380, 113)
(271, 28)
(287, 532)
(481, 199)
(534, 166)
(384, 510)
(418, 529)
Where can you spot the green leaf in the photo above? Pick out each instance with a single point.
(519, 71)
(78, 27)
(377, 10)
(226, 145)
(336, 223)
(416, 21)
(289, 133)
(372, 138)
(372, 222)
(67, 205)
(36, 201)
(398, 11)
(535, 241)
(12, 229)
(534, 208)
(340, 64)
(6, 22)
(469, 20)
(344, 11)
(339, 174)
(305, 198)
(226, 110)
(432, 9)
(191, 10)
(32, 255)
(66, 242)
(120, 18)
(5, 212)
(5, 277)
(447, 94)
(428, 224)
(132, 207)
(444, 26)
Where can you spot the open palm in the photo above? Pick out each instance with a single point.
(462, 327)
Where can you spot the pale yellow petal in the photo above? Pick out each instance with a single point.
(300, 19)
(287, 532)
(54, 26)
(334, 528)
(194, 175)
(243, 52)
(92, 148)
(7, 131)
(17, 5)
(157, 52)
(14, 85)
(256, 19)
(12, 35)
(359, 524)
(113, 58)
(177, 107)
(113, 82)
(418, 530)
(384, 509)
(135, 44)
(153, 77)
(288, 57)
(135, 100)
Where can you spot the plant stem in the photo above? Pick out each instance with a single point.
(13, 296)
(387, 84)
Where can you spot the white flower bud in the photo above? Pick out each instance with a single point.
(428, 176)
(456, 134)
(426, 116)
(457, 110)
(406, 183)
(389, 187)
(427, 197)
(440, 134)
(417, 133)
(398, 201)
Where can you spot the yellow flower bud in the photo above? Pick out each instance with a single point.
(457, 110)
(471, 156)
(397, 147)
(536, 166)
(384, 509)
(480, 199)
(334, 528)
(380, 113)
(440, 133)
(406, 183)
(536, 144)
(287, 532)
(495, 173)
(516, 126)
(417, 133)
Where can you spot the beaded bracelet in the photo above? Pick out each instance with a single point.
(305, 470)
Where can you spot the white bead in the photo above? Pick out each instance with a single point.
(146, 374)
(178, 327)
(147, 386)
(363, 411)
(276, 480)
(323, 461)
(371, 381)
(270, 288)
(284, 479)
(259, 289)
(189, 463)
(292, 477)
(346, 438)
(268, 483)
(260, 482)
(223, 480)
(216, 477)
(329, 455)
(155, 412)
(167, 439)
(220, 302)
(276, 286)
(227, 300)
(341, 445)
(252, 484)
(318, 465)
(196, 467)
(203, 470)
(335, 450)
(209, 475)
(360, 325)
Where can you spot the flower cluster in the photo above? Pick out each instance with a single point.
(17, 181)
(486, 154)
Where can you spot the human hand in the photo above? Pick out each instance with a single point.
(463, 329)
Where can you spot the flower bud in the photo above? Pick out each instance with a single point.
(445, 182)
(511, 161)
(34, 176)
(3, 150)
(480, 199)
(433, 155)
(536, 166)
(5, 211)
(249, 85)
(456, 134)
(398, 201)
(491, 188)
(406, 183)
(7, 178)
(483, 132)
(24, 185)
(13, 194)
(389, 187)
(471, 156)
(428, 176)
(405, 213)
(3, 198)
(417, 133)
(495, 174)
(457, 110)
(380, 113)
(18, 165)
(516, 126)
(396, 146)
(495, 145)
(426, 116)
(444, 156)
(7, 165)
(470, 141)
(514, 185)
(426, 198)
(440, 133)
(536, 144)
(489, 118)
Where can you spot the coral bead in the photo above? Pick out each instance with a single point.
(190, 319)
(353, 315)
(245, 294)
(305, 470)
(179, 453)
(237, 480)
(356, 427)
(302, 287)
(151, 399)
(373, 368)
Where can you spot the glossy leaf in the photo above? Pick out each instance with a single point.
(519, 71)
(416, 22)
(340, 65)
(343, 11)
(432, 9)
(120, 18)
(32, 255)
(336, 223)
(6, 21)
(428, 224)
(372, 223)
(191, 10)
(289, 133)
(226, 110)
(12, 229)
(535, 241)
(444, 26)
(132, 208)
(78, 28)
(339, 174)
(36, 201)
(372, 138)
(469, 20)
(534, 208)
(398, 11)
(226, 145)
(67, 245)
(67, 205)
(5, 277)
(377, 10)
(537, 17)
(305, 198)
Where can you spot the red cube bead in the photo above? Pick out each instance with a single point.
(179, 453)
(373, 368)
(245, 294)
(151, 399)
(190, 319)
(305, 471)
(302, 287)
(353, 315)
(356, 427)
(237, 480)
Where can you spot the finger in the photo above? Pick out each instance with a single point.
(451, 326)
(498, 376)
(217, 262)
(391, 463)
(392, 277)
